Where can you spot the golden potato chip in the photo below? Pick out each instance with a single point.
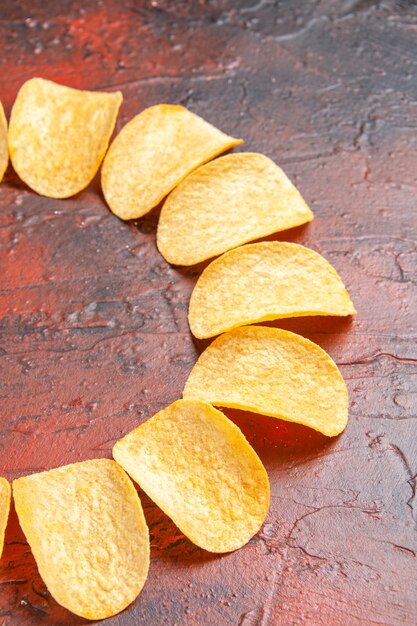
(5, 496)
(272, 372)
(265, 281)
(85, 525)
(153, 153)
(233, 200)
(197, 466)
(4, 150)
(58, 136)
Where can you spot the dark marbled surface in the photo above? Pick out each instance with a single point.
(93, 322)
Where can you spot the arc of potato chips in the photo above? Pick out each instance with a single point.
(197, 466)
(5, 497)
(226, 203)
(84, 522)
(58, 135)
(153, 153)
(4, 150)
(273, 372)
(85, 525)
(265, 281)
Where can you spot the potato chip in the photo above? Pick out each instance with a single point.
(85, 525)
(265, 281)
(153, 153)
(272, 372)
(58, 136)
(4, 150)
(5, 496)
(197, 466)
(233, 200)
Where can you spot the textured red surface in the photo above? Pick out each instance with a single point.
(94, 334)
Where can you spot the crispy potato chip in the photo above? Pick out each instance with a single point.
(265, 281)
(200, 470)
(5, 496)
(4, 150)
(233, 200)
(272, 372)
(58, 136)
(153, 153)
(85, 525)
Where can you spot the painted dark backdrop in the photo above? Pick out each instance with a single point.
(94, 335)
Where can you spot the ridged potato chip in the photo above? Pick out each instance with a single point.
(272, 372)
(58, 136)
(5, 496)
(153, 153)
(197, 466)
(235, 199)
(265, 281)
(85, 525)
(4, 150)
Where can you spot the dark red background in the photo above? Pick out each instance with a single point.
(94, 334)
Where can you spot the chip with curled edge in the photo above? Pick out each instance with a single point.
(224, 204)
(5, 495)
(197, 466)
(272, 372)
(4, 151)
(85, 525)
(58, 135)
(265, 281)
(153, 153)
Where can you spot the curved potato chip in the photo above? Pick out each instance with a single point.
(197, 466)
(233, 200)
(85, 525)
(4, 150)
(58, 135)
(265, 281)
(153, 153)
(5, 496)
(272, 372)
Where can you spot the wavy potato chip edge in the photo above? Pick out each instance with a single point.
(4, 150)
(5, 497)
